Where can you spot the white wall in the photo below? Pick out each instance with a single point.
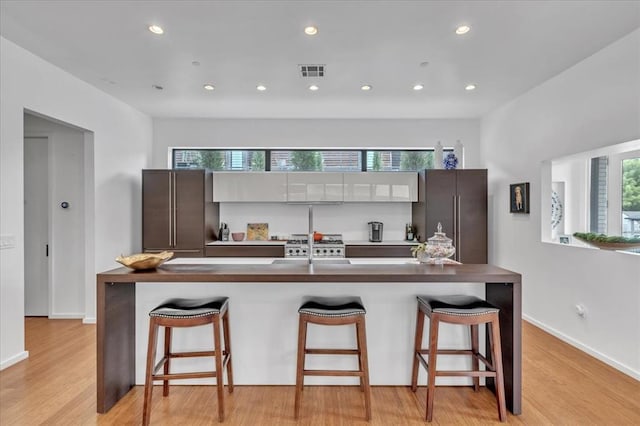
(121, 148)
(593, 104)
(320, 133)
(67, 230)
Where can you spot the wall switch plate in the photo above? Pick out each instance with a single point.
(7, 241)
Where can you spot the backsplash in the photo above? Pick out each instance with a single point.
(349, 219)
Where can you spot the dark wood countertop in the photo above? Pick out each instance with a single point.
(314, 273)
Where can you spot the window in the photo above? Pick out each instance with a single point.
(335, 160)
(401, 161)
(631, 197)
(308, 160)
(595, 191)
(598, 199)
(240, 160)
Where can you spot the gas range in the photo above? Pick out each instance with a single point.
(331, 245)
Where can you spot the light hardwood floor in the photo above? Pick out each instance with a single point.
(56, 386)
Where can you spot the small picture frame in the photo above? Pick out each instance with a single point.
(519, 197)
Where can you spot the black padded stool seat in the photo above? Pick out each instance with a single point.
(333, 311)
(458, 304)
(465, 310)
(189, 308)
(178, 312)
(333, 306)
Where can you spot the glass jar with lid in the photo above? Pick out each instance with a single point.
(439, 246)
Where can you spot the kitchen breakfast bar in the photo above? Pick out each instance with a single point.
(264, 299)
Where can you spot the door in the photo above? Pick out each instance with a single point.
(188, 186)
(157, 231)
(440, 190)
(36, 227)
(471, 227)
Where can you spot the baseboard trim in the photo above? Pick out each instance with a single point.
(66, 316)
(89, 320)
(594, 353)
(14, 360)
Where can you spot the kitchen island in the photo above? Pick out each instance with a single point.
(264, 300)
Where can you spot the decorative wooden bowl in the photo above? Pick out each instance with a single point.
(143, 261)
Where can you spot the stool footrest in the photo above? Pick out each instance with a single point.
(332, 351)
(450, 352)
(355, 373)
(461, 373)
(174, 376)
(191, 354)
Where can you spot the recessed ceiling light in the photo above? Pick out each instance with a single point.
(366, 87)
(463, 29)
(313, 87)
(209, 87)
(195, 63)
(424, 64)
(311, 30)
(418, 87)
(157, 87)
(470, 87)
(261, 87)
(156, 29)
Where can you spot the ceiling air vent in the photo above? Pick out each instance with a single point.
(312, 70)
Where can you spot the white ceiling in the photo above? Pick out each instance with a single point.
(512, 47)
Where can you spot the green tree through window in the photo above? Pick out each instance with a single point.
(306, 160)
(416, 160)
(213, 160)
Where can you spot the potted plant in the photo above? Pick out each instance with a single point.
(606, 242)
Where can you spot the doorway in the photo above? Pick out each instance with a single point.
(36, 219)
(55, 221)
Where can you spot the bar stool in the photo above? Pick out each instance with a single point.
(188, 313)
(465, 310)
(333, 311)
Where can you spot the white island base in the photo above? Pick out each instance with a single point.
(264, 328)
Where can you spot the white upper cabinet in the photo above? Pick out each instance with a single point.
(249, 186)
(381, 187)
(302, 187)
(314, 186)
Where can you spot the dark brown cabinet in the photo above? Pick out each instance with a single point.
(177, 211)
(458, 200)
(383, 250)
(245, 250)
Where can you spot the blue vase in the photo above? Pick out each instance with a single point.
(450, 162)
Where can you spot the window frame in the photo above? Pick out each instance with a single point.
(268, 151)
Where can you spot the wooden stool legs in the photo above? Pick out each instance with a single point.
(494, 367)
(221, 353)
(361, 351)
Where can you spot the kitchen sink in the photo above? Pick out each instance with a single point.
(316, 261)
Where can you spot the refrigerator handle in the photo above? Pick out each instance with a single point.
(170, 212)
(458, 227)
(175, 211)
(455, 226)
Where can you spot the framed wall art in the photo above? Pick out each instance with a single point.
(519, 196)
